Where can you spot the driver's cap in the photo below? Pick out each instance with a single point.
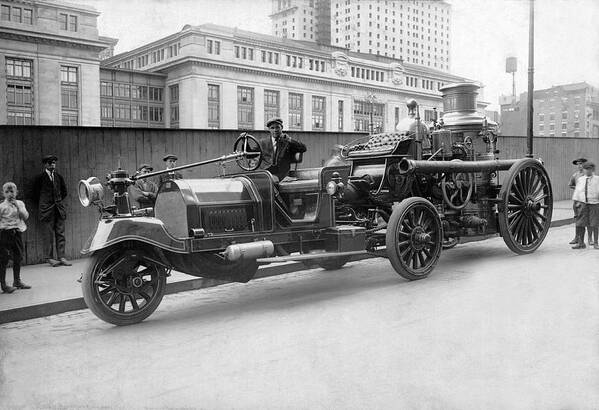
(170, 156)
(274, 121)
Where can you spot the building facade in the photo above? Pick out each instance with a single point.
(49, 63)
(219, 77)
(417, 31)
(570, 110)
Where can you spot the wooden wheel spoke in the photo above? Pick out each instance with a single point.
(540, 215)
(134, 302)
(403, 243)
(122, 304)
(112, 299)
(420, 218)
(514, 214)
(144, 295)
(415, 260)
(106, 290)
(421, 259)
(515, 222)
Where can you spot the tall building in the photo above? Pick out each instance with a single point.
(570, 110)
(49, 63)
(416, 31)
(211, 76)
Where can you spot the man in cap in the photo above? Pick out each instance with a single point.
(143, 193)
(586, 195)
(170, 162)
(279, 150)
(49, 192)
(579, 162)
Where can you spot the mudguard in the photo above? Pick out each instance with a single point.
(142, 229)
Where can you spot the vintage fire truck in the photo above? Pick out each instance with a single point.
(404, 195)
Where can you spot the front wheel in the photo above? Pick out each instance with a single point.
(123, 286)
(414, 238)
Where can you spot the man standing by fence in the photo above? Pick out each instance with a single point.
(49, 191)
(579, 162)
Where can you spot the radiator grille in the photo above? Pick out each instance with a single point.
(225, 219)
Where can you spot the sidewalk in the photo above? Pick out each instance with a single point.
(56, 290)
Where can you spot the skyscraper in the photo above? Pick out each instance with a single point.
(415, 31)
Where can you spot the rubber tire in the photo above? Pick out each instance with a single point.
(391, 239)
(99, 309)
(333, 263)
(503, 218)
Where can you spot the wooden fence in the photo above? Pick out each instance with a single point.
(95, 151)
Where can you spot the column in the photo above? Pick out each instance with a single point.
(259, 120)
(193, 103)
(229, 106)
(307, 112)
(284, 108)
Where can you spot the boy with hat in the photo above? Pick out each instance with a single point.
(143, 192)
(13, 215)
(279, 150)
(49, 192)
(586, 195)
(170, 162)
(579, 162)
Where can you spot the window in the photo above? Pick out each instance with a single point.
(105, 89)
(19, 92)
(72, 23)
(139, 92)
(541, 117)
(551, 117)
(18, 68)
(318, 113)
(67, 22)
(139, 112)
(565, 115)
(340, 115)
(155, 93)
(245, 108)
(213, 47)
(16, 14)
(69, 93)
(364, 111)
(213, 106)
(296, 111)
(122, 111)
(174, 105)
(122, 90)
(271, 104)
(564, 126)
(106, 110)
(156, 114)
(5, 13)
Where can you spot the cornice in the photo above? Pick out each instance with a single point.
(369, 88)
(32, 37)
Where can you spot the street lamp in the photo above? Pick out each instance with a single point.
(371, 98)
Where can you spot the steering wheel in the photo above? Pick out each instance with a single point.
(251, 150)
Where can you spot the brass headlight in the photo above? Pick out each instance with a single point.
(90, 191)
(331, 188)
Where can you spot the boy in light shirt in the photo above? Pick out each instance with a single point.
(586, 195)
(13, 215)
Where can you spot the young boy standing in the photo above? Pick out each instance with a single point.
(586, 196)
(13, 215)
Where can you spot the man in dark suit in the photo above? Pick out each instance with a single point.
(170, 161)
(279, 150)
(49, 191)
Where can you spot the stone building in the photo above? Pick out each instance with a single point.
(221, 77)
(50, 66)
(417, 31)
(569, 110)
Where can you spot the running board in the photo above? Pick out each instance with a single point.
(308, 256)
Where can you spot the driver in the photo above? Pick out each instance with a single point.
(279, 150)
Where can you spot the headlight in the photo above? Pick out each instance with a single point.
(331, 188)
(90, 191)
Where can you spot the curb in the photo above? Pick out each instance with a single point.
(68, 305)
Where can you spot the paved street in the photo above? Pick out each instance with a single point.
(488, 329)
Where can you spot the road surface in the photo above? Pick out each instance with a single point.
(488, 329)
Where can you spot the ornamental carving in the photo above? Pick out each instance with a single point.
(341, 64)
(397, 76)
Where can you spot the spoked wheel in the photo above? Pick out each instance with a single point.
(414, 238)
(251, 151)
(526, 206)
(123, 286)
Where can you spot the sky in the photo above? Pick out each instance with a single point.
(484, 33)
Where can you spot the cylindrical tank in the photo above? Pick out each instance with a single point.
(459, 107)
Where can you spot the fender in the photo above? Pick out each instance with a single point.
(142, 229)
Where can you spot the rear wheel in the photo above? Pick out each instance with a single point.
(526, 206)
(123, 286)
(414, 238)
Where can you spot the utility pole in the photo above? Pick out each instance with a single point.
(531, 71)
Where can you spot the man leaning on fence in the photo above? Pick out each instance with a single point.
(49, 192)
